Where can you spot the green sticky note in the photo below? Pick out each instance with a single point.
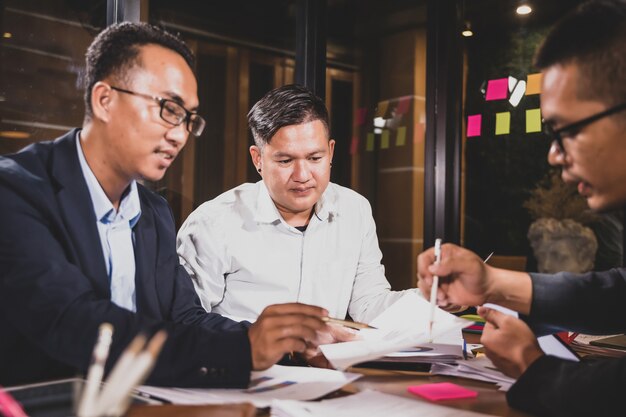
(503, 123)
(401, 136)
(533, 120)
(384, 139)
(369, 142)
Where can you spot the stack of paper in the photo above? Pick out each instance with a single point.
(366, 403)
(402, 326)
(277, 382)
(481, 369)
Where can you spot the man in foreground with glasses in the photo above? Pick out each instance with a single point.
(583, 60)
(83, 243)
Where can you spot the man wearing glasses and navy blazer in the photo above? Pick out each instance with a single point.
(82, 242)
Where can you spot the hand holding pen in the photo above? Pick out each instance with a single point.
(433, 291)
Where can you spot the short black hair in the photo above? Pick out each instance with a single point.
(288, 105)
(593, 37)
(116, 49)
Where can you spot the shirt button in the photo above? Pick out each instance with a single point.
(203, 371)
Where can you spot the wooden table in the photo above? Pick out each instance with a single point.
(489, 400)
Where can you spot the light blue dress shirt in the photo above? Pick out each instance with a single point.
(116, 234)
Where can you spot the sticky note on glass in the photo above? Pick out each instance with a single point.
(369, 142)
(503, 123)
(474, 122)
(497, 89)
(354, 145)
(401, 136)
(533, 120)
(361, 114)
(418, 136)
(384, 139)
(381, 110)
(403, 105)
(533, 84)
(442, 391)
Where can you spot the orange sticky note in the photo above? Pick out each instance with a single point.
(533, 84)
(381, 110)
(442, 391)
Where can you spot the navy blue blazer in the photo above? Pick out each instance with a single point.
(54, 287)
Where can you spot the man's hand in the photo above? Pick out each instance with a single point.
(333, 333)
(508, 342)
(281, 329)
(463, 277)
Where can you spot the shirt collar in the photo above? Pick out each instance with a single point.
(130, 207)
(266, 211)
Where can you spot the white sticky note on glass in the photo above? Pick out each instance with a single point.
(518, 93)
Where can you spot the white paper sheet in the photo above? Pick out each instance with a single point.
(366, 403)
(402, 326)
(277, 382)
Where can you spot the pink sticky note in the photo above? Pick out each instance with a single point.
(497, 89)
(361, 114)
(442, 391)
(354, 145)
(474, 123)
(403, 105)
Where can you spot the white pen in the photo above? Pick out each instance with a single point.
(96, 371)
(433, 291)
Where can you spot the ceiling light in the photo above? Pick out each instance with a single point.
(467, 31)
(523, 8)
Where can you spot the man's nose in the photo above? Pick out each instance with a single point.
(301, 171)
(555, 156)
(178, 135)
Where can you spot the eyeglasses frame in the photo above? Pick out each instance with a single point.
(556, 134)
(162, 101)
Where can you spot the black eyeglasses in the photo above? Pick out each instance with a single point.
(173, 113)
(570, 129)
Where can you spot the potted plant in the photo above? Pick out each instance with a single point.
(559, 234)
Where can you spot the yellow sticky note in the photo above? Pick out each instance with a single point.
(381, 110)
(503, 123)
(384, 139)
(533, 120)
(369, 142)
(401, 136)
(533, 84)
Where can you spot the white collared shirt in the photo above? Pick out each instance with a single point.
(242, 255)
(116, 234)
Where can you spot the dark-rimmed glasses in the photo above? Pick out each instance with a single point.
(570, 129)
(173, 113)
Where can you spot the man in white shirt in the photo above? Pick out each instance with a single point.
(292, 237)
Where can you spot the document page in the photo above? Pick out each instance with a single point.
(277, 382)
(402, 326)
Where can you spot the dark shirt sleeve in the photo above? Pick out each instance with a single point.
(592, 303)
(555, 387)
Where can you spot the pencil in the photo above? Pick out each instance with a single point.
(351, 324)
(433, 291)
(96, 370)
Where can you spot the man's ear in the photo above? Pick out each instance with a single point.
(101, 96)
(255, 154)
(331, 149)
